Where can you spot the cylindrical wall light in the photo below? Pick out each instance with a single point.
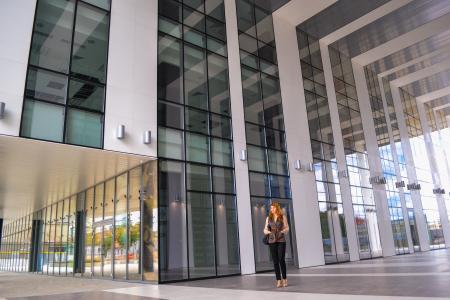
(120, 132)
(298, 164)
(147, 137)
(243, 155)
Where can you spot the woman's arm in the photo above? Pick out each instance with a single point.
(285, 225)
(266, 230)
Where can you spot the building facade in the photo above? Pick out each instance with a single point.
(145, 140)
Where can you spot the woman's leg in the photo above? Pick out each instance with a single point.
(281, 255)
(276, 261)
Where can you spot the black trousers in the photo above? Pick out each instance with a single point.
(278, 251)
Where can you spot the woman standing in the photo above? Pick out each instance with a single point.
(276, 227)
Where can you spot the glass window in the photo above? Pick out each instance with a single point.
(50, 46)
(253, 106)
(216, 29)
(90, 43)
(219, 96)
(222, 152)
(197, 121)
(255, 134)
(43, 121)
(105, 4)
(201, 235)
(280, 187)
(120, 224)
(226, 228)
(170, 9)
(278, 162)
(198, 178)
(170, 27)
(170, 115)
(215, 9)
(195, 77)
(221, 126)
(264, 26)
(259, 185)
(193, 19)
(216, 46)
(134, 213)
(45, 85)
(86, 95)
(257, 160)
(170, 74)
(196, 4)
(223, 180)
(170, 143)
(246, 17)
(84, 128)
(197, 148)
(194, 37)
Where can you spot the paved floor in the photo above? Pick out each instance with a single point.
(418, 276)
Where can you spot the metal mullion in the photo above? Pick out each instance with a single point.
(128, 225)
(113, 256)
(31, 66)
(49, 235)
(141, 218)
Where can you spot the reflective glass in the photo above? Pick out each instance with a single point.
(221, 126)
(201, 235)
(134, 213)
(50, 46)
(197, 120)
(45, 85)
(170, 143)
(197, 148)
(120, 228)
(223, 180)
(257, 160)
(90, 43)
(198, 178)
(170, 115)
(222, 152)
(170, 71)
(84, 128)
(86, 95)
(105, 4)
(195, 77)
(43, 121)
(108, 228)
(219, 96)
(215, 9)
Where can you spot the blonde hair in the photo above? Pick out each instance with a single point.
(278, 209)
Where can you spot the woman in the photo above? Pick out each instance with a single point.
(276, 227)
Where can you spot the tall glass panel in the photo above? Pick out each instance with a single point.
(89, 232)
(201, 235)
(98, 231)
(108, 228)
(71, 224)
(120, 228)
(134, 219)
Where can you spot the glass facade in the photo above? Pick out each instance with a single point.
(423, 170)
(356, 156)
(197, 204)
(108, 231)
(264, 124)
(66, 80)
(387, 164)
(332, 219)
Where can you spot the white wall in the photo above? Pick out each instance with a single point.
(304, 195)
(16, 26)
(239, 143)
(131, 96)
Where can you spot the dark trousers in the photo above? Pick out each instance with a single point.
(278, 250)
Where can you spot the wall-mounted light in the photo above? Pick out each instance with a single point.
(298, 165)
(310, 167)
(243, 155)
(2, 110)
(147, 139)
(120, 132)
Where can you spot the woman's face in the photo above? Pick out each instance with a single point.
(273, 209)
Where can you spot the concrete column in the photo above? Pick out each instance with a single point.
(304, 195)
(422, 230)
(239, 142)
(397, 168)
(435, 172)
(379, 191)
(16, 27)
(340, 155)
(131, 92)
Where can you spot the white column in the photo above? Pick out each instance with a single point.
(397, 168)
(131, 91)
(239, 142)
(304, 195)
(383, 215)
(435, 172)
(16, 26)
(422, 230)
(340, 155)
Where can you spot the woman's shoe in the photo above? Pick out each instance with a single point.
(285, 283)
(279, 284)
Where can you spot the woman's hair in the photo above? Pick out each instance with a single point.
(279, 212)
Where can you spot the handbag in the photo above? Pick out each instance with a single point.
(265, 239)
